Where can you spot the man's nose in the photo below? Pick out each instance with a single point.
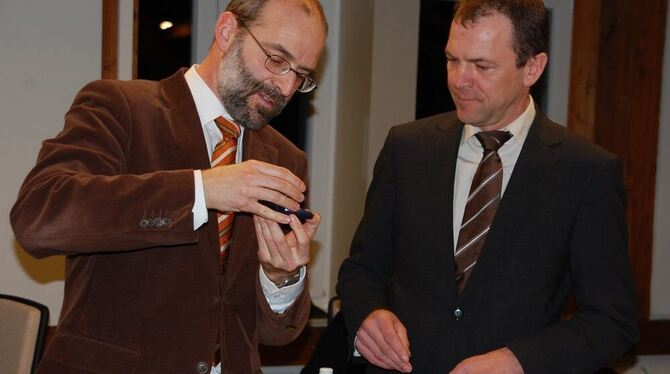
(286, 83)
(461, 77)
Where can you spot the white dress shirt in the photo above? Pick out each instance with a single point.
(209, 108)
(470, 153)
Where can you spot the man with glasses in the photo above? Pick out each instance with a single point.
(153, 191)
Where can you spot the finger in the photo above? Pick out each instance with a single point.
(400, 352)
(280, 172)
(312, 224)
(298, 230)
(262, 245)
(372, 352)
(374, 360)
(401, 332)
(271, 252)
(276, 197)
(266, 212)
(387, 344)
(277, 190)
(287, 253)
(300, 247)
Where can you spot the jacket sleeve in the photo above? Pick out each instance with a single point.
(363, 276)
(280, 329)
(604, 324)
(80, 197)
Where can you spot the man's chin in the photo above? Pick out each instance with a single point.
(255, 121)
(466, 117)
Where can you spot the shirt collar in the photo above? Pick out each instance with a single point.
(207, 103)
(519, 127)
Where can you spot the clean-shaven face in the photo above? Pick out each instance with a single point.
(487, 87)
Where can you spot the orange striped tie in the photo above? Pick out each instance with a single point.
(224, 154)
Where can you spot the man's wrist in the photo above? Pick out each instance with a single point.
(288, 280)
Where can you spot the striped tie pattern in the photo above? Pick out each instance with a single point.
(481, 205)
(224, 154)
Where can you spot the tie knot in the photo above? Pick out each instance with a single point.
(493, 140)
(227, 128)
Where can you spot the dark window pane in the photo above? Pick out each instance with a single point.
(161, 52)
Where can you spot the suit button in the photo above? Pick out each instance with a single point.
(458, 313)
(158, 222)
(202, 367)
(166, 221)
(144, 222)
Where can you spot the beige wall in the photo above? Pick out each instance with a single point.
(48, 49)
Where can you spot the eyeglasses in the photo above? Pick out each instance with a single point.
(279, 66)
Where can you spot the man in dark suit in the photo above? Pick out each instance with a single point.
(480, 223)
(128, 193)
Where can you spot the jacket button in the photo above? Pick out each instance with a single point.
(458, 313)
(144, 222)
(202, 367)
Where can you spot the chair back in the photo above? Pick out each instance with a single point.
(23, 325)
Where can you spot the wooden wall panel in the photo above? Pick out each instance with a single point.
(584, 67)
(110, 37)
(615, 94)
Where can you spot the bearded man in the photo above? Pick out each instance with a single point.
(152, 192)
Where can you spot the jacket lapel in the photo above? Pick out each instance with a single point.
(443, 154)
(190, 149)
(540, 152)
(184, 124)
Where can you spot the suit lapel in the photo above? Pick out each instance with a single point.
(536, 161)
(190, 149)
(443, 155)
(184, 125)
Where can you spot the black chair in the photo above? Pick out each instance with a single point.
(23, 326)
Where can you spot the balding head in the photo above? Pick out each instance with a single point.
(249, 11)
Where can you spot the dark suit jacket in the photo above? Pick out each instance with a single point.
(144, 291)
(560, 229)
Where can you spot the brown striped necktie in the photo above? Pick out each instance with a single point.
(224, 154)
(481, 205)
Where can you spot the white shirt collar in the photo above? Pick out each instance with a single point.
(209, 107)
(207, 104)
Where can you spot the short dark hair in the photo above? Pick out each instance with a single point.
(249, 10)
(530, 25)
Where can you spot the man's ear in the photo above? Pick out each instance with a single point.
(534, 68)
(225, 31)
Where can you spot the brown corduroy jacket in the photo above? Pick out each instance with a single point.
(144, 292)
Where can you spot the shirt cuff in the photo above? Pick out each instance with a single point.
(356, 353)
(199, 207)
(281, 299)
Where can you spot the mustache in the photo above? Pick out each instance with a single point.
(271, 92)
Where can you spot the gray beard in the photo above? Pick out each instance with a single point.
(236, 85)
